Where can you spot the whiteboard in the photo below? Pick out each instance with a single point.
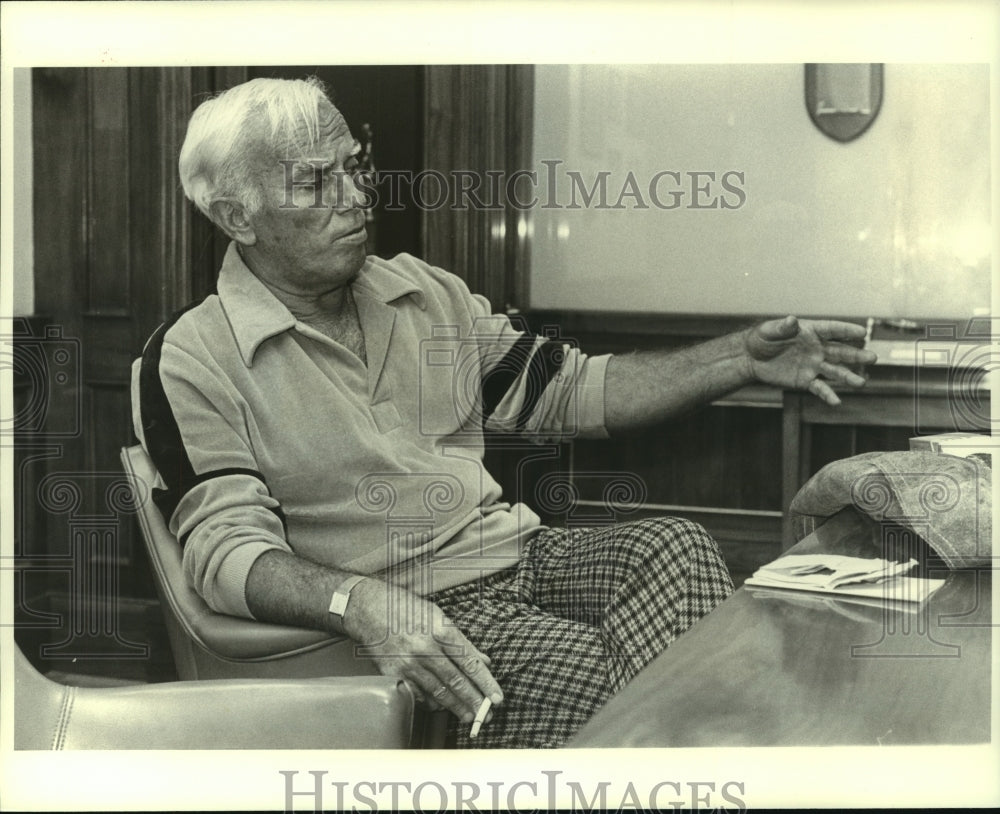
(895, 224)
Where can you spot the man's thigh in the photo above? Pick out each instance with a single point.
(588, 573)
(553, 671)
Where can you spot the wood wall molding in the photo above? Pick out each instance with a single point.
(176, 102)
(478, 119)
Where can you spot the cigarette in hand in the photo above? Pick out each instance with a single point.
(484, 709)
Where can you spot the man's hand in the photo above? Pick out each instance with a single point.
(407, 636)
(411, 638)
(807, 355)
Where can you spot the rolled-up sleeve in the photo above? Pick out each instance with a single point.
(542, 387)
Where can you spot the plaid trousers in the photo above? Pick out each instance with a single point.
(583, 611)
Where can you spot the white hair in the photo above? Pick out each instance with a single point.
(221, 149)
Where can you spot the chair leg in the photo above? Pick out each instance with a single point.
(431, 729)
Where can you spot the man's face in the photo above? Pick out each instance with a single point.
(310, 232)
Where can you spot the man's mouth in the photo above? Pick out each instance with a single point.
(357, 233)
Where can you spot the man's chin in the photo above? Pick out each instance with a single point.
(360, 259)
(354, 271)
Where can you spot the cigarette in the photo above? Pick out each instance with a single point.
(484, 708)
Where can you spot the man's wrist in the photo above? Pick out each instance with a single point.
(342, 596)
(744, 356)
(357, 620)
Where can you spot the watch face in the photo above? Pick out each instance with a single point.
(338, 604)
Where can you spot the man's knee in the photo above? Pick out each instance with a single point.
(676, 544)
(672, 532)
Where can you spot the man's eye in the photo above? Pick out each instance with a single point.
(333, 171)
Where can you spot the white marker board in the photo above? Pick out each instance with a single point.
(893, 224)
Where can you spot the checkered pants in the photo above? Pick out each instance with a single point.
(578, 617)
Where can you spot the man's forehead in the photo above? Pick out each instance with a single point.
(333, 137)
(332, 126)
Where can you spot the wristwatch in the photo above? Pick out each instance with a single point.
(341, 596)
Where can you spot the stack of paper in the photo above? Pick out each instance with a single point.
(839, 574)
(962, 444)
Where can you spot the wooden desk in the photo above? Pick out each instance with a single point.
(781, 668)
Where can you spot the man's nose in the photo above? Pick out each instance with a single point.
(347, 193)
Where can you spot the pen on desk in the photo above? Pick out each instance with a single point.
(484, 709)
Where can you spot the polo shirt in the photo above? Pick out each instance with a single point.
(267, 434)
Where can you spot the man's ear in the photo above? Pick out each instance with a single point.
(230, 216)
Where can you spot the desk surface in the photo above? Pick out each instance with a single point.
(783, 668)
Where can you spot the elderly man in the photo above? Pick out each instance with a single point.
(317, 426)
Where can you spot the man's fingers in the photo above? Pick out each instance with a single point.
(821, 389)
(811, 353)
(433, 691)
(473, 664)
(840, 374)
(443, 666)
(778, 329)
(476, 667)
(834, 329)
(468, 681)
(845, 354)
(467, 697)
(825, 329)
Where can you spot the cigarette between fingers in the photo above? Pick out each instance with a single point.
(480, 718)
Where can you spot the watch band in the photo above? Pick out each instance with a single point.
(341, 596)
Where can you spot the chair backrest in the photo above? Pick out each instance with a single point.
(207, 644)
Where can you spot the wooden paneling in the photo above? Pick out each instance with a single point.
(112, 260)
(60, 163)
(109, 170)
(720, 457)
(478, 121)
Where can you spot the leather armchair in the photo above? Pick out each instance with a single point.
(317, 713)
(209, 645)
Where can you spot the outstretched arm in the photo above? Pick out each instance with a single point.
(647, 387)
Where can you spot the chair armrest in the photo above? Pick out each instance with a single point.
(316, 713)
(246, 640)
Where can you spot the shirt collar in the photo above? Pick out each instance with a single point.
(255, 314)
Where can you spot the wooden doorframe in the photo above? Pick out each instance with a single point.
(478, 118)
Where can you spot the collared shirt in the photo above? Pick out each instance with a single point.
(268, 434)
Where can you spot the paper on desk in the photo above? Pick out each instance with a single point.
(831, 570)
(855, 576)
(856, 608)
